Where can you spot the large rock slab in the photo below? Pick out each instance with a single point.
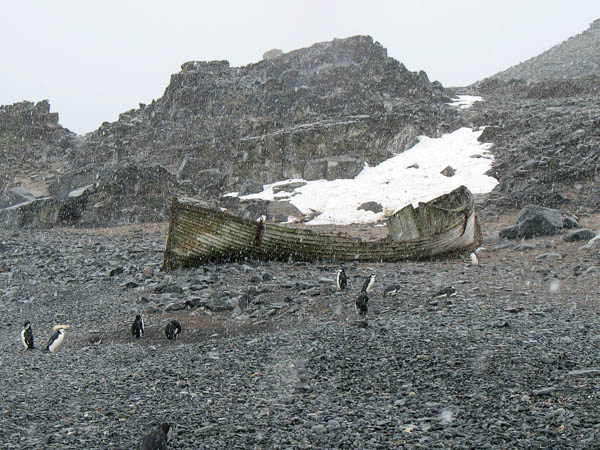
(534, 220)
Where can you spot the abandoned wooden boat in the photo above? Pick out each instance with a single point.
(199, 234)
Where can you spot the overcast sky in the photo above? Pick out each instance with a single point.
(94, 60)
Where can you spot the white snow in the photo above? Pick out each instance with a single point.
(392, 183)
(465, 101)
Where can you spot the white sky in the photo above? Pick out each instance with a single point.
(393, 184)
(94, 60)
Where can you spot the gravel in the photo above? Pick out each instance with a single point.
(272, 355)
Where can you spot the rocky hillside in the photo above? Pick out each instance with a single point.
(547, 145)
(32, 146)
(542, 116)
(283, 117)
(577, 57)
(318, 112)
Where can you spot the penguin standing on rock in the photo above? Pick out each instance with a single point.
(27, 336)
(172, 329)
(57, 338)
(342, 280)
(158, 438)
(137, 327)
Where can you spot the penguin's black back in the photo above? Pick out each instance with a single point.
(173, 329)
(28, 336)
(361, 304)
(53, 338)
(342, 280)
(137, 328)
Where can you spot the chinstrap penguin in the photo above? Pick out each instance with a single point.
(392, 289)
(27, 336)
(369, 283)
(341, 279)
(57, 338)
(137, 327)
(173, 329)
(445, 292)
(361, 305)
(158, 438)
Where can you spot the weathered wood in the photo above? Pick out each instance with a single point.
(199, 234)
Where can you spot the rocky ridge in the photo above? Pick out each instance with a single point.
(318, 112)
(577, 57)
(546, 146)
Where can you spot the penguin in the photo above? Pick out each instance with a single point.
(474, 260)
(57, 338)
(158, 438)
(95, 339)
(172, 329)
(341, 279)
(391, 290)
(27, 336)
(137, 327)
(445, 292)
(361, 305)
(369, 282)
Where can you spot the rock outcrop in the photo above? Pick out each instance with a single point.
(32, 146)
(288, 116)
(318, 112)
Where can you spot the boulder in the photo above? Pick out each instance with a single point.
(38, 213)
(19, 194)
(332, 168)
(449, 171)
(282, 211)
(288, 187)
(371, 206)
(579, 235)
(534, 220)
(273, 53)
(570, 223)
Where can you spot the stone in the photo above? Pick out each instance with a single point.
(288, 187)
(371, 206)
(570, 222)
(579, 235)
(273, 53)
(534, 220)
(449, 171)
(282, 211)
(19, 194)
(39, 213)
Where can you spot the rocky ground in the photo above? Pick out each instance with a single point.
(510, 361)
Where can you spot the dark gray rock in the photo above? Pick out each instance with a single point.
(371, 206)
(40, 213)
(534, 220)
(449, 171)
(579, 235)
(570, 223)
(288, 187)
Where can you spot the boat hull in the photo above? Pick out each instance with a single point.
(199, 234)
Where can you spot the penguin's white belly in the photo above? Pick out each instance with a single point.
(56, 343)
